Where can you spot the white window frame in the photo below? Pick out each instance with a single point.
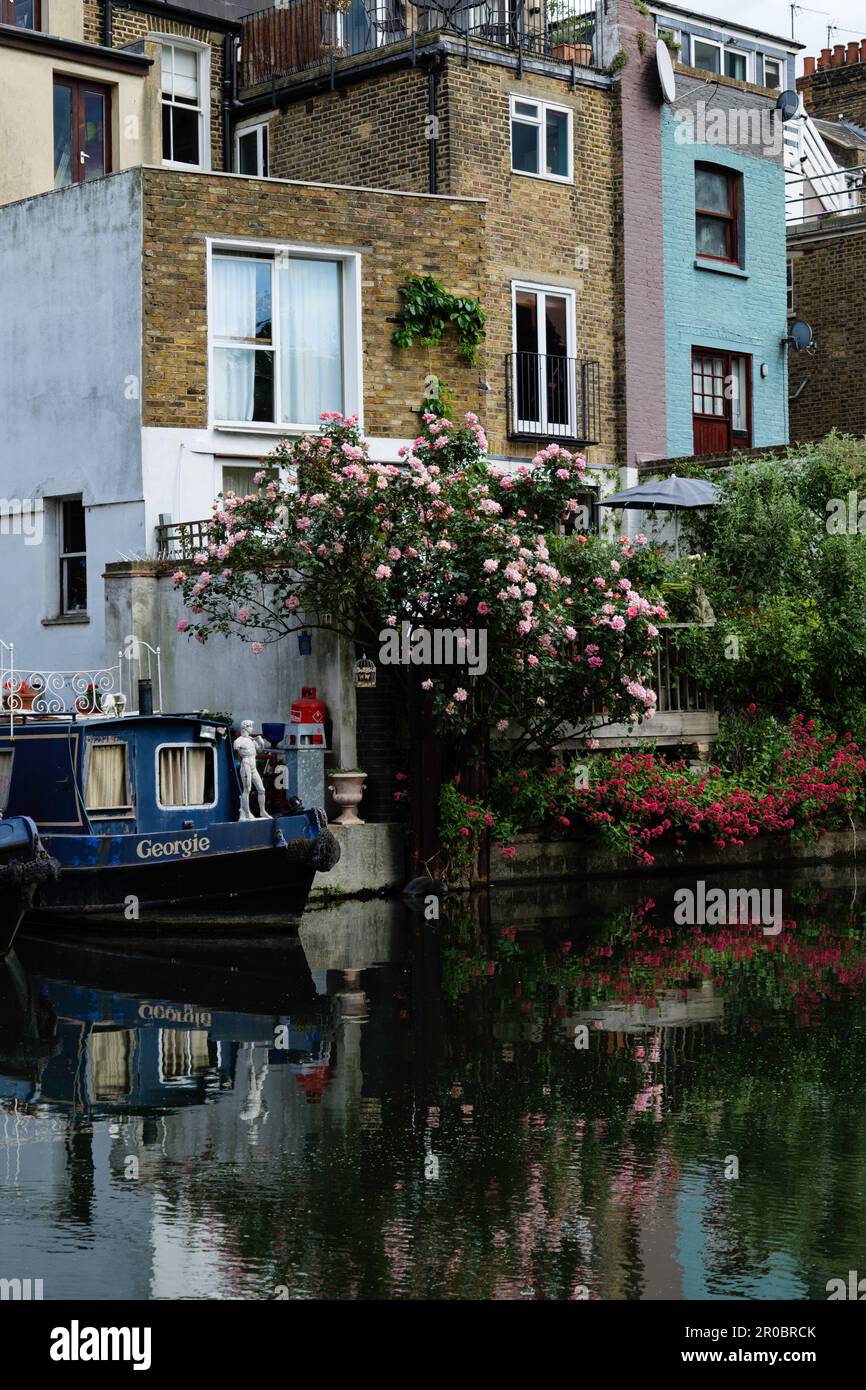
(710, 43)
(561, 292)
(260, 130)
(203, 57)
(781, 65)
(353, 373)
(540, 123)
(739, 53)
(199, 806)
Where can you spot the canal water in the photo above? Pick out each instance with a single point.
(553, 1093)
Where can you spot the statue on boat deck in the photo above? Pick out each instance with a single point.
(246, 747)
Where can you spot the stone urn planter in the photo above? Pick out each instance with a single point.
(346, 786)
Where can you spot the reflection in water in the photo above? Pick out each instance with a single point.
(556, 1098)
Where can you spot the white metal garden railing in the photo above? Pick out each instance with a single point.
(87, 691)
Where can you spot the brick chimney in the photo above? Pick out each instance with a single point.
(834, 84)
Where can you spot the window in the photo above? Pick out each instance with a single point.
(251, 151)
(789, 278)
(187, 776)
(544, 384)
(737, 64)
(721, 400)
(717, 206)
(773, 73)
(24, 14)
(279, 326)
(183, 115)
(73, 557)
(707, 55)
(6, 756)
(107, 778)
(239, 479)
(82, 125)
(541, 140)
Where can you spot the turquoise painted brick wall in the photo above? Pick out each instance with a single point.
(705, 308)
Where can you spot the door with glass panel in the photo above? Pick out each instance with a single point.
(82, 131)
(543, 362)
(721, 401)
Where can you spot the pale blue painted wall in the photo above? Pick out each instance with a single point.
(743, 313)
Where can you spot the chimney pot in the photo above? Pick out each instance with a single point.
(863, 51)
(839, 55)
(853, 53)
(809, 65)
(826, 59)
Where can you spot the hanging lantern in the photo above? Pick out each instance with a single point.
(365, 673)
(305, 643)
(327, 620)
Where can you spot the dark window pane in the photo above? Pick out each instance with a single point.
(62, 136)
(712, 190)
(75, 585)
(166, 132)
(707, 56)
(526, 321)
(73, 527)
(557, 144)
(735, 66)
(23, 14)
(248, 156)
(184, 125)
(556, 325)
(524, 147)
(264, 151)
(263, 395)
(94, 134)
(712, 237)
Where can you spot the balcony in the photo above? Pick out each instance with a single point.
(299, 35)
(552, 398)
(181, 540)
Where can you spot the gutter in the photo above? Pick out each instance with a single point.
(118, 60)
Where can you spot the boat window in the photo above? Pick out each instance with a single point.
(108, 778)
(5, 777)
(186, 776)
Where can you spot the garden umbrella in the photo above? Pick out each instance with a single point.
(672, 494)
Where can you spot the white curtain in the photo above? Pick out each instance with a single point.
(171, 788)
(107, 787)
(311, 333)
(234, 316)
(110, 1053)
(196, 775)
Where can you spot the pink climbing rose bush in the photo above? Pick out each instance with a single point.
(443, 540)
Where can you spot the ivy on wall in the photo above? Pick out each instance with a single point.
(428, 310)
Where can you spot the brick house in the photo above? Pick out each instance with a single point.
(827, 252)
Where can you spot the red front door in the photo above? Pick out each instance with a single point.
(721, 401)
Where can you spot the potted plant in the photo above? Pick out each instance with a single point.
(346, 785)
(570, 37)
(20, 697)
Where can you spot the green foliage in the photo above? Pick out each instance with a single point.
(787, 584)
(428, 309)
(618, 62)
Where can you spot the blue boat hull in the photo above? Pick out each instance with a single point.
(227, 871)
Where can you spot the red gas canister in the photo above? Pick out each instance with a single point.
(307, 728)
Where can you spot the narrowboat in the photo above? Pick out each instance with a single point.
(143, 818)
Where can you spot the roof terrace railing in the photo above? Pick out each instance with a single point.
(819, 196)
(299, 35)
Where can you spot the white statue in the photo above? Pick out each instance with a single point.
(246, 747)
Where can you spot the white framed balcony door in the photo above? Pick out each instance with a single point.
(543, 364)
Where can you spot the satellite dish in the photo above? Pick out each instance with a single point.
(800, 336)
(665, 65)
(788, 104)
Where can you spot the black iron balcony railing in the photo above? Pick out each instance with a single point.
(297, 35)
(552, 398)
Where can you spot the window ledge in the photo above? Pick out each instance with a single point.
(719, 268)
(67, 620)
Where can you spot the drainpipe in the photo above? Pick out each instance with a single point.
(108, 13)
(229, 56)
(432, 140)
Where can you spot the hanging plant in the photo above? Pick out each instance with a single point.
(427, 311)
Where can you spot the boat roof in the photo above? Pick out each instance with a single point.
(29, 721)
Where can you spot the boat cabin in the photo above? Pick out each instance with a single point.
(117, 776)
